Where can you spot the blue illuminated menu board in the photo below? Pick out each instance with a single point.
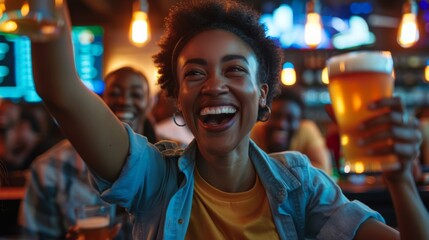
(16, 79)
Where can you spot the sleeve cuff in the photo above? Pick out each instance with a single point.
(344, 223)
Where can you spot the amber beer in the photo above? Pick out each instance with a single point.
(96, 228)
(40, 20)
(355, 80)
(93, 221)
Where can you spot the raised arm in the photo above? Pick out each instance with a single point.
(86, 121)
(411, 214)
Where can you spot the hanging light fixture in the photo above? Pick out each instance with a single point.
(313, 26)
(139, 33)
(408, 33)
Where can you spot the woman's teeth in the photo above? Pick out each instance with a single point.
(124, 115)
(217, 115)
(218, 110)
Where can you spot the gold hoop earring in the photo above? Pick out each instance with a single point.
(266, 114)
(175, 120)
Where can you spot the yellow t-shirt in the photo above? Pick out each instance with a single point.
(220, 215)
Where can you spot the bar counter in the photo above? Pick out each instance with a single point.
(372, 191)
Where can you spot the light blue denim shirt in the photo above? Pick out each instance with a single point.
(156, 186)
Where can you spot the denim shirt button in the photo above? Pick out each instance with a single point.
(180, 221)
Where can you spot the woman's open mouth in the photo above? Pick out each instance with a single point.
(217, 117)
(125, 116)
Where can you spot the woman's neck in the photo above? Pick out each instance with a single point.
(231, 173)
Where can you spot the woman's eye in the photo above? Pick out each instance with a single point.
(193, 75)
(113, 94)
(237, 69)
(234, 71)
(137, 95)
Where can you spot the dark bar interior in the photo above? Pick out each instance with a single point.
(101, 39)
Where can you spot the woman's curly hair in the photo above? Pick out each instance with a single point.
(189, 18)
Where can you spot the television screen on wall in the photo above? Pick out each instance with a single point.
(16, 77)
(345, 24)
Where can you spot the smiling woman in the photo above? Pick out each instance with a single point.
(218, 64)
(219, 91)
(127, 95)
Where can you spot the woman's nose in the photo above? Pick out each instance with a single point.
(215, 84)
(125, 99)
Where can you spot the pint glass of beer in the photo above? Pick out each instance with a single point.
(355, 80)
(93, 221)
(40, 20)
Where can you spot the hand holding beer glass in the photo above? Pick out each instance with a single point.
(93, 222)
(40, 20)
(355, 80)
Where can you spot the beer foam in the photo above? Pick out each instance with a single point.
(93, 222)
(368, 61)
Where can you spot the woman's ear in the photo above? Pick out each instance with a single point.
(179, 106)
(264, 92)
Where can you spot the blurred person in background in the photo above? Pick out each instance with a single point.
(287, 130)
(27, 130)
(168, 124)
(10, 113)
(9, 116)
(59, 177)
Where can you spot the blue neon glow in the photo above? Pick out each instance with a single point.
(16, 75)
(360, 8)
(287, 65)
(358, 34)
(424, 5)
(287, 27)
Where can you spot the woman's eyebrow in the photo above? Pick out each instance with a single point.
(226, 58)
(198, 61)
(233, 57)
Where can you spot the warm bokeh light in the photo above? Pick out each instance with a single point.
(347, 168)
(359, 167)
(139, 30)
(9, 26)
(408, 33)
(48, 29)
(288, 75)
(344, 140)
(313, 30)
(325, 76)
(25, 9)
(2, 8)
(427, 73)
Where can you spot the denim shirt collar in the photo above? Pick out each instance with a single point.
(275, 182)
